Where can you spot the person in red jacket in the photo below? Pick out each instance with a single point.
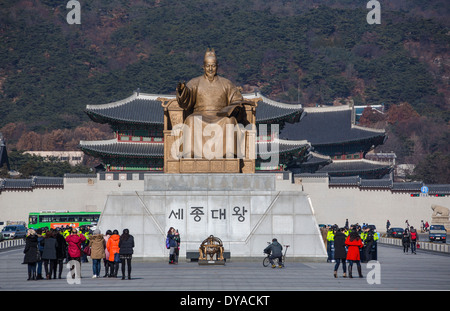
(74, 241)
(354, 243)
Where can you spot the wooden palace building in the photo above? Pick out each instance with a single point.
(310, 140)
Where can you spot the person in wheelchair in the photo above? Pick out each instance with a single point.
(275, 251)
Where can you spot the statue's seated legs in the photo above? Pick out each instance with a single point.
(210, 140)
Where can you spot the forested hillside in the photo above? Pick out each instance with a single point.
(292, 51)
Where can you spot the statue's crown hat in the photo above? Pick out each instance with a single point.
(210, 54)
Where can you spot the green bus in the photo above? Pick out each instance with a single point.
(55, 219)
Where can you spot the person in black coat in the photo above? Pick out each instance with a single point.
(340, 253)
(49, 253)
(406, 240)
(126, 245)
(61, 253)
(31, 253)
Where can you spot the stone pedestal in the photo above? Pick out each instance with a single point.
(441, 220)
(244, 210)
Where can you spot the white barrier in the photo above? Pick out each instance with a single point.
(437, 247)
(11, 243)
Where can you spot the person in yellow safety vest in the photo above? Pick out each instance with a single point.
(376, 236)
(346, 232)
(363, 235)
(330, 243)
(66, 232)
(86, 234)
(330, 235)
(369, 239)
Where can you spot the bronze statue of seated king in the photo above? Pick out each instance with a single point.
(209, 127)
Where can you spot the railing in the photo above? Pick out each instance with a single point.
(11, 243)
(437, 247)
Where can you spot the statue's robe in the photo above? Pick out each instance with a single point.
(216, 102)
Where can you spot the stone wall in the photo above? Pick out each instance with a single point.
(330, 205)
(333, 205)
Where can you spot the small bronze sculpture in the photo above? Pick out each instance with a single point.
(211, 246)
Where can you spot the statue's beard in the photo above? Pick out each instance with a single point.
(210, 75)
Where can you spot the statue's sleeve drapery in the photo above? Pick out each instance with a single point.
(235, 99)
(186, 99)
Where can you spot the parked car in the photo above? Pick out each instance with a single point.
(395, 233)
(437, 233)
(14, 232)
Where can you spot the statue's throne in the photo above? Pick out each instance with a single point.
(174, 114)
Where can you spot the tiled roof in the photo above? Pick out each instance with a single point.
(315, 158)
(31, 183)
(407, 186)
(355, 166)
(284, 146)
(324, 126)
(385, 183)
(138, 108)
(18, 184)
(127, 149)
(376, 183)
(42, 181)
(270, 111)
(79, 175)
(438, 189)
(152, 149)
(344, 181)
(311, 175)
(146, 109)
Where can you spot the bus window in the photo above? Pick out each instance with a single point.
(44, 219)
(33, 220)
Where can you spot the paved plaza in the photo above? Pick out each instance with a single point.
(396, 271)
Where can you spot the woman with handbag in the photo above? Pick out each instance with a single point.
(126, 245)
(97, 247)
(113, 249)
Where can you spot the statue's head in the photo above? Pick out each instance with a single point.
(210, 64)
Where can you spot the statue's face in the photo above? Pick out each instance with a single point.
(210, 68)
